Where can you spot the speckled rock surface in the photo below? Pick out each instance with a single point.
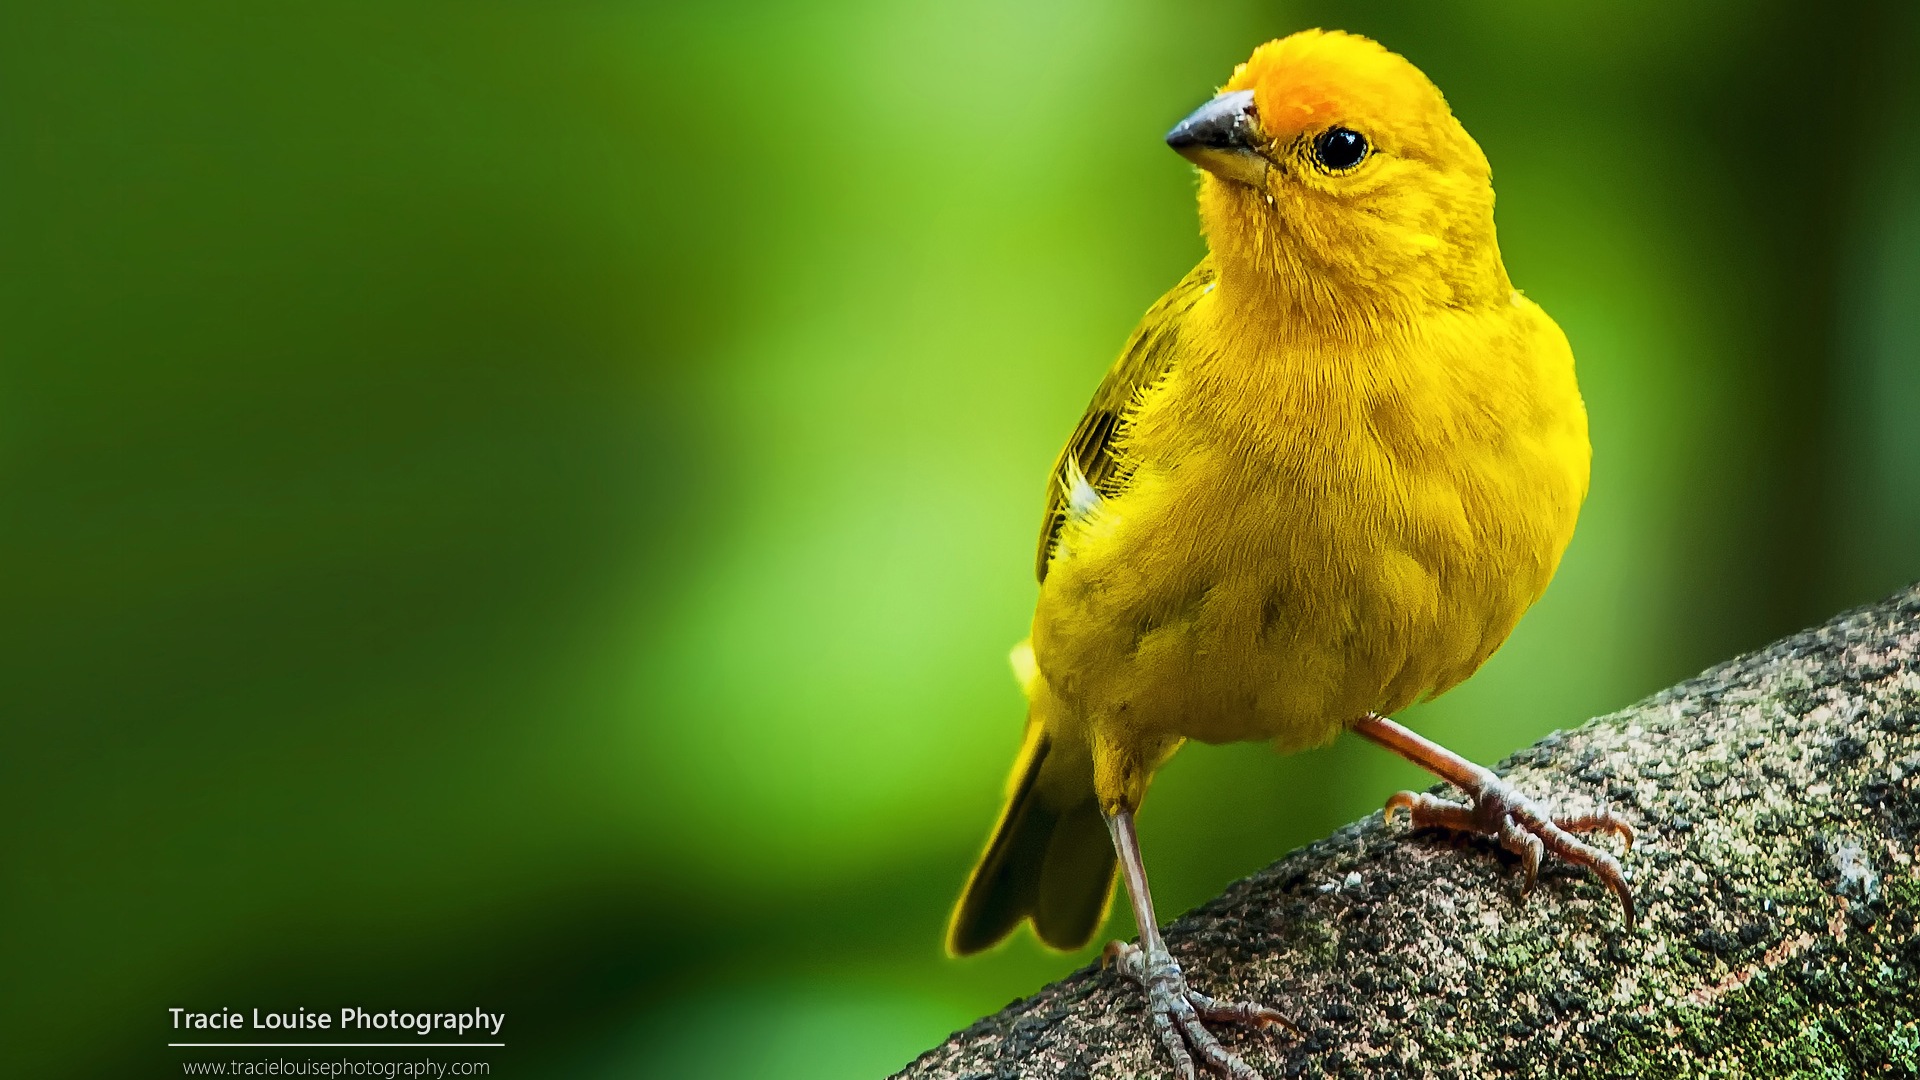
(1778, 798)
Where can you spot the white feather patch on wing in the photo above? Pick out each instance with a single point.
(1082, 500)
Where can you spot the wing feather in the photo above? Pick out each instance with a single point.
(1090, 456)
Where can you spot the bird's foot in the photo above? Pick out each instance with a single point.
(1525, 829)
(1180, 1014)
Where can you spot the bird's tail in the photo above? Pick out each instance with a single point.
(1050, 859)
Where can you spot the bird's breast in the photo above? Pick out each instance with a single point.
(1274, 578)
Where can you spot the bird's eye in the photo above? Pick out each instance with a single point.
(1339, 149)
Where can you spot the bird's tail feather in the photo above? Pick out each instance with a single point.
(1050, 859)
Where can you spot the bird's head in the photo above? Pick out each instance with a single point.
(1336, 173)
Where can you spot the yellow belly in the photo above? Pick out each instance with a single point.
(1309, 535)
(1241, 599)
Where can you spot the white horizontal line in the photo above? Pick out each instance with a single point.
(237, 1046)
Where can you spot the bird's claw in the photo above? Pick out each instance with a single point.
(1180, 1014)
(1523, 828)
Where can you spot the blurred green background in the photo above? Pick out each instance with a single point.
(525, 506)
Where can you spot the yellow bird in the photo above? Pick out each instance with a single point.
(1329, 472)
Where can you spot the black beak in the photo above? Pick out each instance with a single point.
(1221, 136)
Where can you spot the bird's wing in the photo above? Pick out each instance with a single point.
(1088, 469)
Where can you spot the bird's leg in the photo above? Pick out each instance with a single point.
(1179, 1013)
(1497, 810)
